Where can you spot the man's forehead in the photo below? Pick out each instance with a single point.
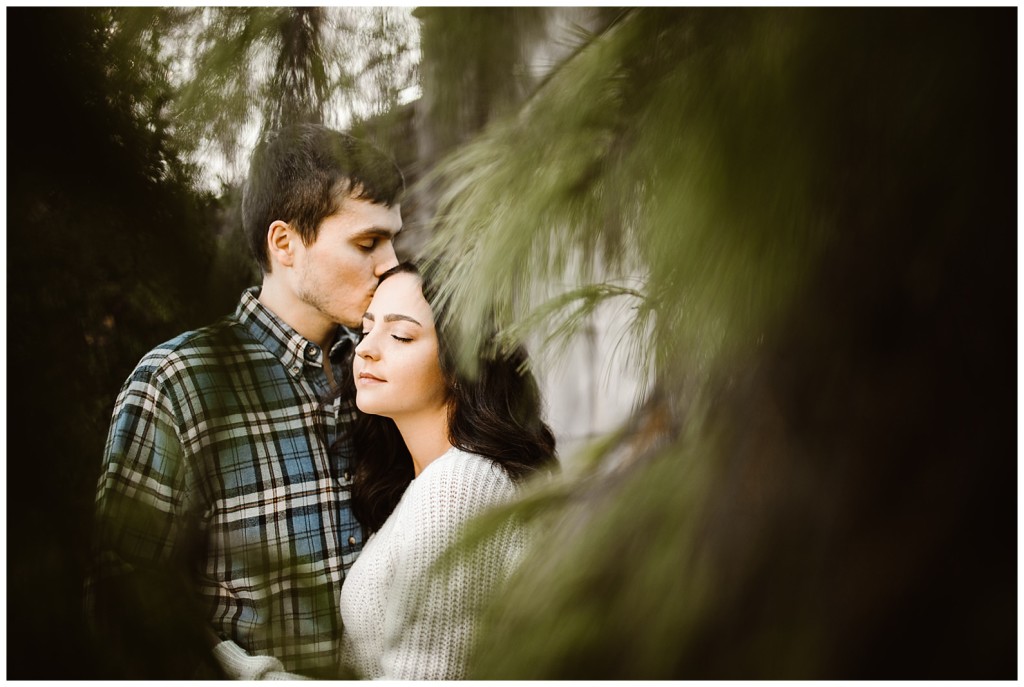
(372, 214)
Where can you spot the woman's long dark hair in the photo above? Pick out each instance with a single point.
(496, 414)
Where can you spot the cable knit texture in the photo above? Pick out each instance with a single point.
(405, 618)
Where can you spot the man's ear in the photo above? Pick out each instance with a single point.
(282, 241)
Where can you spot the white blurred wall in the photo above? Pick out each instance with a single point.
(590, 387)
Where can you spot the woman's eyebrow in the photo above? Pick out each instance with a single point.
(394, 317)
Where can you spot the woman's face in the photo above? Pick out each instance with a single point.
(397, 370)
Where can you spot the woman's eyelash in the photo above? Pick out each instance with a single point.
(396, 337)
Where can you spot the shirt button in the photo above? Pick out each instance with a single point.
(347, 476)
(312, 351)
(295, 370)
(351, 541)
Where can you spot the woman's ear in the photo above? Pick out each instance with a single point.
(281, 243)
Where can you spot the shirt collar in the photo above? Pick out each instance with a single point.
(293, 349)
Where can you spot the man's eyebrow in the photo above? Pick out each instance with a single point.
(375, 233)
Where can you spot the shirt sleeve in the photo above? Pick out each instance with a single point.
(142, 492)
(139, 598)
(434, 605)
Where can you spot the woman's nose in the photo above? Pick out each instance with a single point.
(364, 349)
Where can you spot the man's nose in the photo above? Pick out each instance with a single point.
(387, 260)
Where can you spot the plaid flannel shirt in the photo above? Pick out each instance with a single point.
(222, 443)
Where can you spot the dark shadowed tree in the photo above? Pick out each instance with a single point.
(475, 71)
(108, 248)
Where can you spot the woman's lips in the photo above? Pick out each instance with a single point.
(367, 378)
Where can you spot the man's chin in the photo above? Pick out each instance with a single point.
(352, 321)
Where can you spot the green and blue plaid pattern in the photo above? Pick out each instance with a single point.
(223, 448)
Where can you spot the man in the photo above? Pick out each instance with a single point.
(223, 514)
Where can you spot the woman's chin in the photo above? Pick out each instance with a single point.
(368, 407)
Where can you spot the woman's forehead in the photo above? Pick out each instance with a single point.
(401, 294)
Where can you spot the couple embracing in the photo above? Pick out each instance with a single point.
(247, 460)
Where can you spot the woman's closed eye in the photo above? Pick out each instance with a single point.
(395, 336)
(368, 245)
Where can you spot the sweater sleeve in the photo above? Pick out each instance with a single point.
(436, 599)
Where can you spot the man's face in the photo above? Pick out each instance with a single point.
(337, 274)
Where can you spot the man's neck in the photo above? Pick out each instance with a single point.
(300, 316)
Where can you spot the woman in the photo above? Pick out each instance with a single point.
(434, 449)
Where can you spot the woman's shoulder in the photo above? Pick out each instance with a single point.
(461, 466)
(462, 478)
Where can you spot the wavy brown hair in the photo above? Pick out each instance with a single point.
(496, 414)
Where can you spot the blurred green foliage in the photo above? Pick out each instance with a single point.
(811, 213)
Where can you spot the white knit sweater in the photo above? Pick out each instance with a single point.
(401, 620)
